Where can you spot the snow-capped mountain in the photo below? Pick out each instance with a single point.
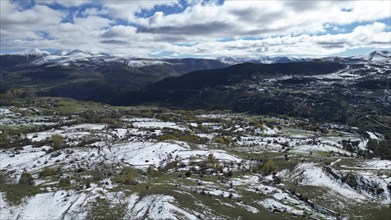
(379, 56)
(375, 56)
(33, 52)
(382, 57)
(76, 57)
(80, 58)
(73, 52)
(147, 62)
(261, 59)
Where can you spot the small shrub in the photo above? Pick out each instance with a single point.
(228, 174)
(220, 168)
(223, 140)
(26, 178)
(153, 171)
(219, 140)
(188, 174)
(211, 158)
(58, 141)
(81, 170)
(97, 175)
(4, 178)
(48, 171)
(64, 182)
(4, 140)
(126, 177)
(268, 167)
(169, 166)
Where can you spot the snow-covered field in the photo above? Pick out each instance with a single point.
(311, 174)
(225, 172)
(73, 205)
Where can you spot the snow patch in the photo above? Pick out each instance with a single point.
(156, 207)
(312, 175)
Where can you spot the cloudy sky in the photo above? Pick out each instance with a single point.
(196, 28)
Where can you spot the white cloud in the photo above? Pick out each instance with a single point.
(205, 29)
(373, 35)
(264, 18)
(127, 10)
(26, 24)
(65, 3)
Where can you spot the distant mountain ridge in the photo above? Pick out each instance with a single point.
(79, 58)
(107, 78)
(383, 56)
(321, 89)
(88, 76)
(261, 60)
(83, 58)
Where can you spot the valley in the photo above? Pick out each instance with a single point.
(72, 159)
(195, 110)
(94, 136)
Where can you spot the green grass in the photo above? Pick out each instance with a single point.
(70, 106)
(102, 209)
(15, 193)
(291, 132)
(323, 154)
(350, 163)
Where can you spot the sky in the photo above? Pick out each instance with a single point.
(197, 28)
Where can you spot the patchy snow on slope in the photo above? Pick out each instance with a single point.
(144, 154)
(373, 135)
(40, 136)
(139, 119)
(120, 132)
(381, 182)
(18, 159)
(6, 112)
(52, 205)
(145, 63)
(88, 127)
(72, 132)
(158, 124)
(377, 164)
(214, 116)
(7, 211)
(311, 175)
(269, 131)
(220, 155)
(156, 207)
(21, 160)
(218, 192)
(249, 208)
(306, 148)
(209, 136)
(246, 180)
(272, 204)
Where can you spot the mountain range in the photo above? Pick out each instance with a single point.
(88, 76)
(79, 58)
(125, 80)
(271, 138)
